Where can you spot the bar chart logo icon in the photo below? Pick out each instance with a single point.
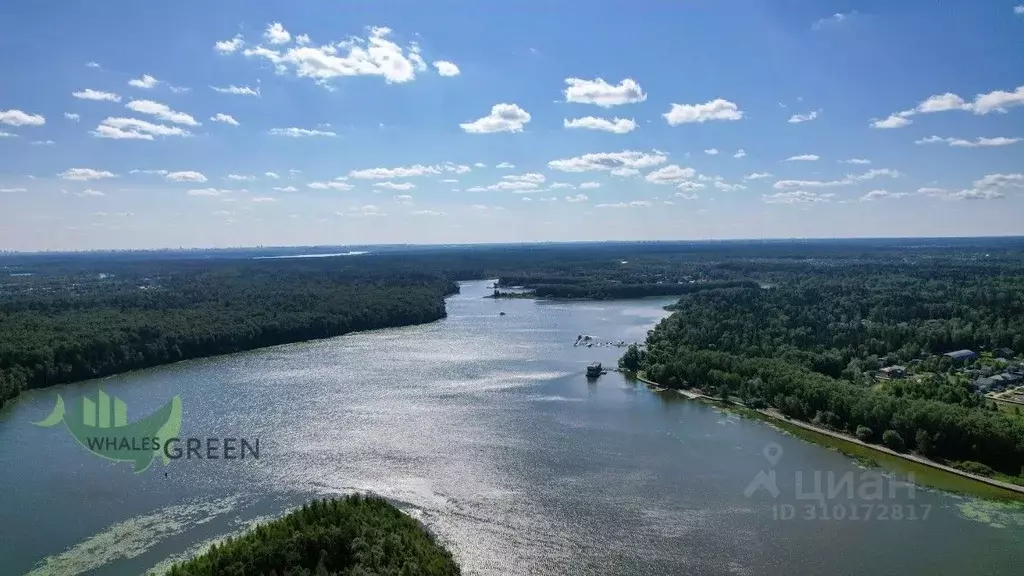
(102, 427)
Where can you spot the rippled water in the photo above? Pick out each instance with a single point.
(484, 427)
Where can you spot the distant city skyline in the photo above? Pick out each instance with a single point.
(237, 124)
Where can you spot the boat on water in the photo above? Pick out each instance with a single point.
(502, 314)
(594, 370)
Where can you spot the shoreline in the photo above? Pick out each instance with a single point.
(774, 415)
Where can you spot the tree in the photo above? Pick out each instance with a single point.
(892, 439)
(923, 441)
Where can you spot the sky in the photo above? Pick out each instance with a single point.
(237, 123)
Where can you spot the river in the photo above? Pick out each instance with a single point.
(485, 428)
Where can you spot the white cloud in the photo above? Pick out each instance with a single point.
(426, 213)
(276, 34)
(849, 179)
(717, 109)
(157, 172)
(893, 121)
(740, 153)
(503, 118)
(161, 111)
(241, 177)
(998, 101)
(562, 186)
(711, 151)
(229, 46)
(224, 118)
(449, 181)
(1000, 181)
(12, 190)
(504, 166)
(286, 189)
(603, 94)
(671, 174)
(302, 39)
(803, 158)
(512, 185)
(84, 174)
(529, 177)
(404, 199)
(796, 197)
(89, 192)
(856, 161)
(798, 118)
(92, 65)
(619, 163)
(633, 204)
(7, 135)
(685, 196)
(90, 94)
(589, 185)
(757, 176)
(332, 185)
(146, 81)
(237, 90)
(615, 125)
(577, 198)
(43, 143)
(625, 172)
(300, 132)
(186, 176)
(1018, 9)
(208, 192)
(399, 172)
(942, 103)
(72, 117)
(879, 194)
(19, 118)
(395, 185)
(689, 185)
(482, 165)
(978, 143)
(729, 187)
(833, 20)
(445, 68)
(375, 55)
(260, 199)
(974, 194)
(132, 128)
(273, 175)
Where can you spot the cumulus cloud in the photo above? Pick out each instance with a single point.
(589, 185)
(757, 176)
(577, 198)
(855, 161)
(426, 213)
(977, 143)
(445, 68)
(729, 187)
(84, 174)
(224, 119)
(796, 197)
(395, 185)
(146, 81)
(89, 192)
(833, 20)
(711, 151)
(19, 118)
(300, 132)
(69, 116)
(135, 129)
(229, 46)
(671, 174)
(880, 194)
(43, 143)
(90, 94)
(407, 171)
(241, 177)
(237, 90)
(186, 176)
(996, 101)
(161, 111)
(375, 55)
(717, 109)
(848, 180)
(803, 158)
(503, 118)
(12, 190)
(504, 166)
(619, 163)
(740, 153)
(276, 34)
(615, 125)
(510, 185)
(893, 121)
(529, 177)
(798, 118)
(332, 185)
(208, 192)
(286, 189)
(603, 94)
(633, 204)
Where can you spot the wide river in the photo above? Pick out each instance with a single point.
(485, 428)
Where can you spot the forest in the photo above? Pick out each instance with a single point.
(809, 338)
(353, 536)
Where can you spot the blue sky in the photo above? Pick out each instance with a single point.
(387, 122)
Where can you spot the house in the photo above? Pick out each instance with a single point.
(961, 355)
(893, 372)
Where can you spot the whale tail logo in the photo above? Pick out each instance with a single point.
(101, 426)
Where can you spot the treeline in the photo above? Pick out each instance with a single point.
(807, 340)
(609, 291)
(72, 325)
(353, 536)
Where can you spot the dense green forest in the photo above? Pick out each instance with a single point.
(353, 536)
(809, 338)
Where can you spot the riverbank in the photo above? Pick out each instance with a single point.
(774, 416)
